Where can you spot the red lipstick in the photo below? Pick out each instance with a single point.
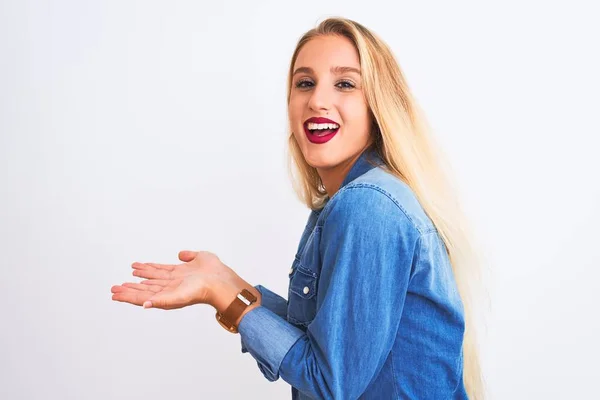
(320, 136)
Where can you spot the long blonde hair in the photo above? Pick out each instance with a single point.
(403, 142)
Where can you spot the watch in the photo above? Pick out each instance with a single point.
(235, 309)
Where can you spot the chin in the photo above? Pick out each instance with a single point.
(319, 158)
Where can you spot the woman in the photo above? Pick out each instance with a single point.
(377, 303)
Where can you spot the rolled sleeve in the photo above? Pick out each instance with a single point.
(271, 301)
(268, 338)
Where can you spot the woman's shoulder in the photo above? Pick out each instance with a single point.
(380, 194)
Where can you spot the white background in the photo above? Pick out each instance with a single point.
(132, 130)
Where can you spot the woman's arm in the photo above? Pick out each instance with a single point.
(367, 249)
(273, 301)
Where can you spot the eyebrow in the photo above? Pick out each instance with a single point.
(334, 70)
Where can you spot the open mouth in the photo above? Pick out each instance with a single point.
(320, 130)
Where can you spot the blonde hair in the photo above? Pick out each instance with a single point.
(403, 142)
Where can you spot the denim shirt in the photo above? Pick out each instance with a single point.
(373, 310)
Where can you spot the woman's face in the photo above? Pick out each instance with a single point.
(328, 112)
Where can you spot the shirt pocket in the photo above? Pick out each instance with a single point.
(302, 300)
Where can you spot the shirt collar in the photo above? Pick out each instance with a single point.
(368, 160)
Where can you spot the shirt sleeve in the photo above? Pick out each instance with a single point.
(273, 302)
(367, 249)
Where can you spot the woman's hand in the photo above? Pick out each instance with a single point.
(169, 286)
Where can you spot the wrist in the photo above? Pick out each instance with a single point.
(227, 292)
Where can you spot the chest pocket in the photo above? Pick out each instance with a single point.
(302, 299)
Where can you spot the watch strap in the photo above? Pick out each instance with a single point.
(227, 319)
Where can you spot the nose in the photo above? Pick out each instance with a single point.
(321, 98)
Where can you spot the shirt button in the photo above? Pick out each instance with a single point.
(306, 290)
(291, 270)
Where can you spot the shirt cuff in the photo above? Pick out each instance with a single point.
(268, 338)
(273, 302)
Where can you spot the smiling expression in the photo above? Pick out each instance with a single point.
(327, 110)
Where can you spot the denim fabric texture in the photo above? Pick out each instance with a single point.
(372, 309)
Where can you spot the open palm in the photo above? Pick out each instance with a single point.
(160, 293)
(170, 286)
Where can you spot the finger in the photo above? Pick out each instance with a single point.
(157, 282)
(152, 273)
(145, 266)
(118, 289)
(138, 286)
(187, 255)
(165, 301)
(135, 297)
(166, 267)
(124, 288)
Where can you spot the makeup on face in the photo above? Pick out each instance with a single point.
(320, 130)
(326, 102)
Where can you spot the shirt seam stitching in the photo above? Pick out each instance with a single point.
(386, 194)
(394, 383)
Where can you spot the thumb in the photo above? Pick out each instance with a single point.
(187, 255)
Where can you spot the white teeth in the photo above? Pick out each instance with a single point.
(313, 126)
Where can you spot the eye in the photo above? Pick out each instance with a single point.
(304, 84)
(346, 85)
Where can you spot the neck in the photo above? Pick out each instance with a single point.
(333, 177)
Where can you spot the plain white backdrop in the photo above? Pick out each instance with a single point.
(132, 130)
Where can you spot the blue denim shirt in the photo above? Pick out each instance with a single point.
(373, 311)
